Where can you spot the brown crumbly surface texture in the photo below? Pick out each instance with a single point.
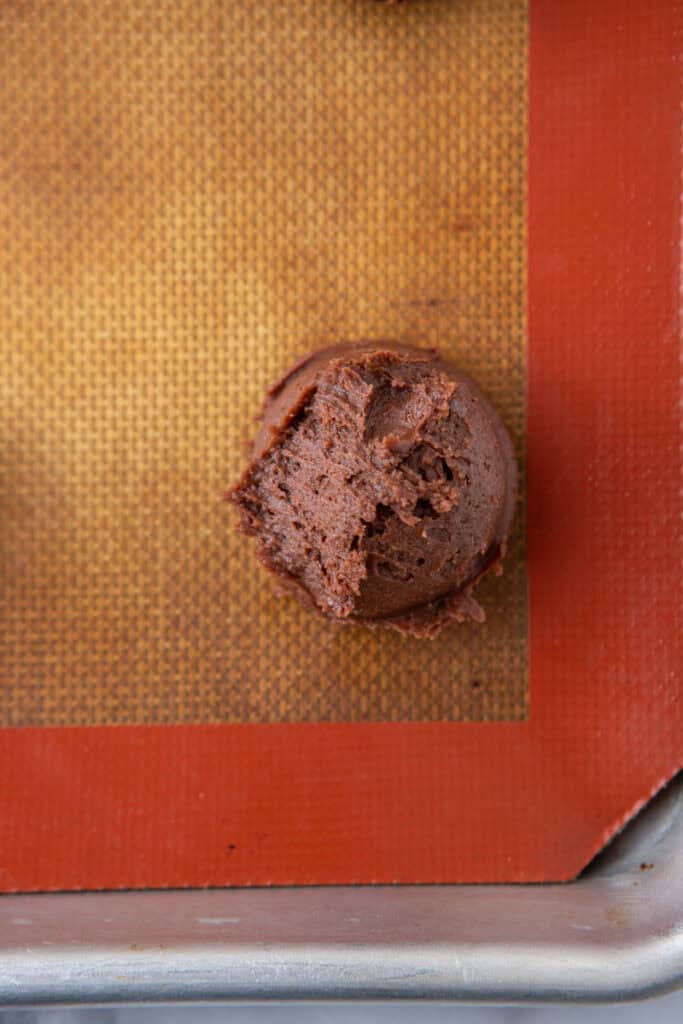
(382, 487)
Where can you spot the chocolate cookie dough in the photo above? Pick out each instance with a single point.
(381, 488)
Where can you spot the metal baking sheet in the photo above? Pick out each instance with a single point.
(615, 934)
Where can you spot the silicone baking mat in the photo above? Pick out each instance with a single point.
(109, 288)
(195, 194)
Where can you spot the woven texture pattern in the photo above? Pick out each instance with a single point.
(191, 195)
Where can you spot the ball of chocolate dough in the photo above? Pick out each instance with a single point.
(381, 488)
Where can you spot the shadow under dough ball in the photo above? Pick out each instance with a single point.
(382, 486)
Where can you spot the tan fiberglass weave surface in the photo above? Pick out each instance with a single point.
(191, 195)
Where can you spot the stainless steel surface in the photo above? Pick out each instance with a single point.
(617, 933)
